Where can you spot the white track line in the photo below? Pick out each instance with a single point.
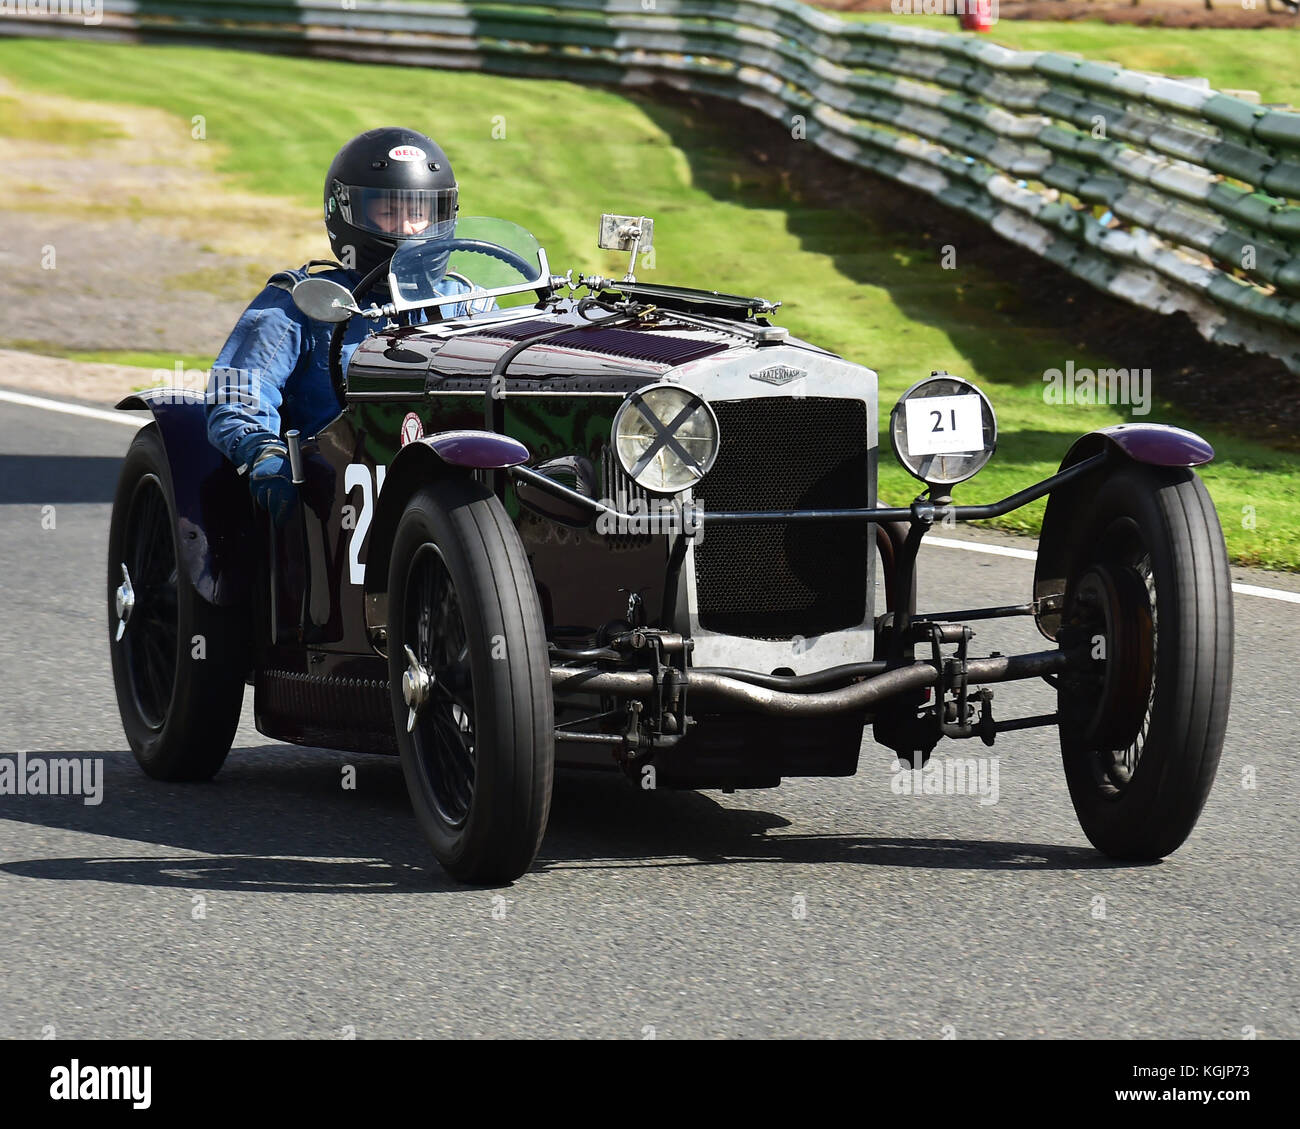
(1030, 555)
(131, 419)
(135, 419)
(1267, 593)
(976, 547)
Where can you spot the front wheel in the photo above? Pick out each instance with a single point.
(470, 679)
(1149, 599)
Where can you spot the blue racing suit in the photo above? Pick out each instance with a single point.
(272, 375)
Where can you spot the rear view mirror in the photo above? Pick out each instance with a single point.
(626, 233)
(323, 300)
(634, 234)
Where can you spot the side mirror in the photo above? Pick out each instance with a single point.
(323, 300)
(626, 233)
(634, 234)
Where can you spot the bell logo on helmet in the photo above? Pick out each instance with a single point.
(406, 153)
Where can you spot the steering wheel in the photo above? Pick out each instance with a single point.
(493, 250)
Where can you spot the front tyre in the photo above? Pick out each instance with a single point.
(470, 680)
(1149, 597)
(178, 662)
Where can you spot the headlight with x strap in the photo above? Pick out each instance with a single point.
(666, 438)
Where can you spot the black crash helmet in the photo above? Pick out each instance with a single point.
(385, 187)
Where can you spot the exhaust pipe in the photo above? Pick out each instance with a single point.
(783, 703)
(760, 699)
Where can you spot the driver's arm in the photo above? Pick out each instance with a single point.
(246, 390)
(246, 387)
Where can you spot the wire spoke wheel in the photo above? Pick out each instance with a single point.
(443, 735)
(150, 639)
(180, 704)
(470, 681)
(1148, 601)
(1114, 607)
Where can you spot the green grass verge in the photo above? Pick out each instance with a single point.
(134, 358)
(1262, 59)
(571, 152)
(164, 362)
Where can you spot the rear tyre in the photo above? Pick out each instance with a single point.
(1149, 595)
(178, 662)
(470, 678)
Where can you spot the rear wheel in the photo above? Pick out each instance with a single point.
(470, 682)
(178, 662)
(1149, 596)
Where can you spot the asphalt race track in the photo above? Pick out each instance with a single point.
(275, 902)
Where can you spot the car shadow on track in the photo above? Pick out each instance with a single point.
(276, 818)
(280, 819)
(608, 823)
(55, 479)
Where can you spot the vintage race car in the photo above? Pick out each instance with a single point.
(639, 528)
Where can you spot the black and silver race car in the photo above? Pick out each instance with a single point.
(639, 528)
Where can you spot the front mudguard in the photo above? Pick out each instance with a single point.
(448, 452)
(215, 530)
(1155, 444)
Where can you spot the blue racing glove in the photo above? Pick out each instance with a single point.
(266, 461)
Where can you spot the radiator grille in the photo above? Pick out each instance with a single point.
(773, 580)
(624, 495)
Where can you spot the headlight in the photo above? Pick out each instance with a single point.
(666, 438)
(943, 430)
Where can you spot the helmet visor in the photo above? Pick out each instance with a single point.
(399, 213)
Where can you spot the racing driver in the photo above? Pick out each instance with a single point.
(385, 187)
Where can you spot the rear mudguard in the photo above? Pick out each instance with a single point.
(448, 452)
(1155, 444)
(214, 513)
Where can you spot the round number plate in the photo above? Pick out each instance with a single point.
(943, 430)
